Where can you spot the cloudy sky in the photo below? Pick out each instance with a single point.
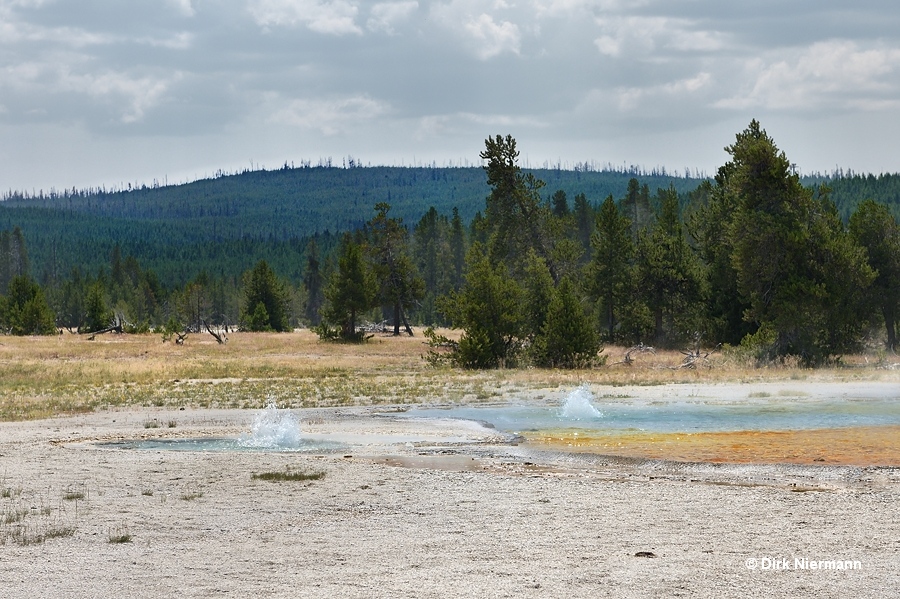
(96, 92)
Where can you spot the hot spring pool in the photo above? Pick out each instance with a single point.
(851, 429)
(272, 430)
(581, 411)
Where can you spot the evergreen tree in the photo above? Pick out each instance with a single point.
(610, 273)
(194, 303)
(13, 257)
(636, 207)
(567, 338)
(97, 315)
(400, 284)
(538, 291)
(489, 310)
(712, 211)
(265, 300)
(789, 252)
(560, 204)
(350, 292)
(70, 308)
(875, 229)
(670, 278)
(24, 311)
(313, 283)
(457, 249)
(515, 216)
(584, 216)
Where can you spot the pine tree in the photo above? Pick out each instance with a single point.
(265, 300)
(794, 264)
(567, 338)
(489, 310)
(24, 311)
(399, 283)
(313, 282)
(349, 293)
(584, 216)
(610, 273)
(97, 315)
(515, 216)
(670, 278)
(875, 229)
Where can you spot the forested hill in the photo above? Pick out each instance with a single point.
(297, 202)
(224, 224)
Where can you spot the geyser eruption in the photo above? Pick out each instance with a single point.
(578, 405)
(273, 428)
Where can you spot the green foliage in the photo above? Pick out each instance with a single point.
(13, 257)
(766, 253)
(265, 300)
(516, 219)
(97, 315)
(399, 283)
(798, 271)
(636, 207)
(350, 292)
(609, 275)
(874, 228)
(24, 310)
(669, 276)
(539, 293)
(313, 282)
(259, 319)
(287, 475)
(489, 310)
(225, 225)
(567, 338)
(712, 209)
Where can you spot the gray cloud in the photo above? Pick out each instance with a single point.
(188, 86)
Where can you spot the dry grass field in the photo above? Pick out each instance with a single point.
(69, 374)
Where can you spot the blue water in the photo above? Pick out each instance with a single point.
(682, 415)
(224, 444)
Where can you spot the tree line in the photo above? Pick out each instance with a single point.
(751, 257)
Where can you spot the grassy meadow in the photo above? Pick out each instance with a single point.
(41, 377)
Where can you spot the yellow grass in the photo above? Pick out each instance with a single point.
(46, 376)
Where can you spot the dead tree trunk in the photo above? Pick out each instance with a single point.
(221, 339)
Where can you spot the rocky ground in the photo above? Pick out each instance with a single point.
(421, 509)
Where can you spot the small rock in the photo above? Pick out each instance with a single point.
(644, 554)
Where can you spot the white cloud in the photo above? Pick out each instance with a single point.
(385, 15)
(130, 96)
(831, 73)
(443, 124)
(330, 117)
(482, 32)
(559, 8)
(631, 98)
(336, 17)
(139, 94)
(493, 38)
(636, 37)
(183, 6)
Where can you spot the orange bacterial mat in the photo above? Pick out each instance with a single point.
(858, 446)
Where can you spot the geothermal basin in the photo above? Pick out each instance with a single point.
(801, 424)
(763, 423)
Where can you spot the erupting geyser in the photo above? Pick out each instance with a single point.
(578, 405)
(273, 428)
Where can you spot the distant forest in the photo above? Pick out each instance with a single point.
(224, 225)
(210, 251)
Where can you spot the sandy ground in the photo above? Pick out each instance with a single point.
(417, 509)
